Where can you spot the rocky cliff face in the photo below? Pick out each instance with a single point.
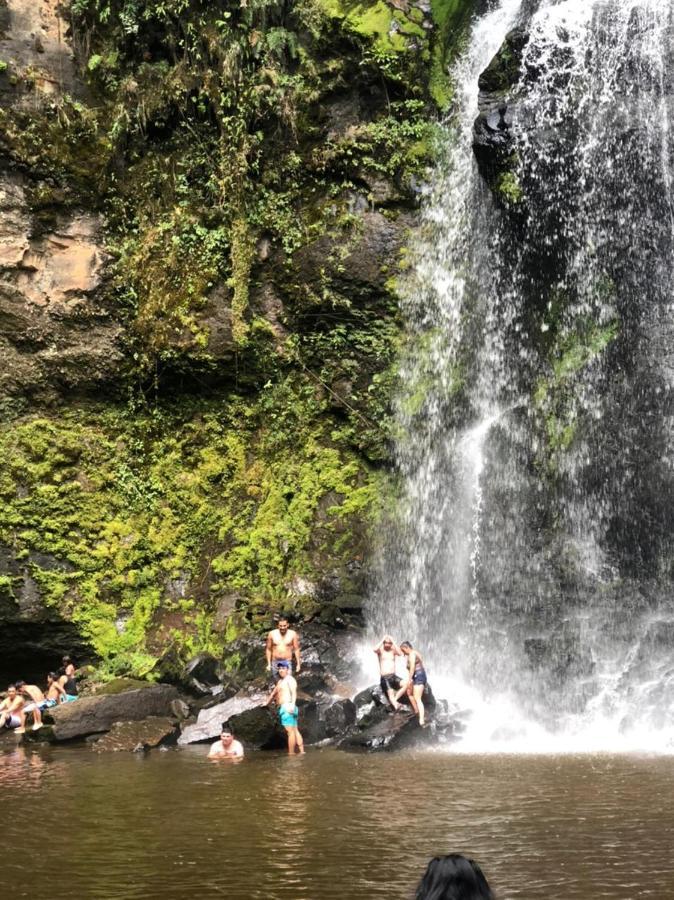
(204, 210)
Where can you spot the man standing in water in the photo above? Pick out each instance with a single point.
(387, 651)
(285, 695)
(227, 747)
(282, 644)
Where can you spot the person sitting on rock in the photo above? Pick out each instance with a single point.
(36, 702)
(387, 650)
(227, 747)
(282, 643)
(453, 877)
(416, 682)
(67, 679)
(284, 694)
(55, 693)
(11, 711)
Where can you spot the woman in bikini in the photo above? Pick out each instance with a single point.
(417, 681)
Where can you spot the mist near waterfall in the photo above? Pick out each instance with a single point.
(530, 554)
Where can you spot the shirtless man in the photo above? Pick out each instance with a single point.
(36, 701)
(11, 711)
(55, 693)
(285, 695)
(282, 644)
(387, 650)
(227, 747)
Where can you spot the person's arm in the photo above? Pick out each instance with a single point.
(268, 651)
(293, 693)
(396, 650)
(214, 751)
(296, 650)
(272, 695)
(238, 750)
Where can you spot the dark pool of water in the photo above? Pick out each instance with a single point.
(78, 824)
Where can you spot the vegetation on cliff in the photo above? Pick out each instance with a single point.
(257, 165)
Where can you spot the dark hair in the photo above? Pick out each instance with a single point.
(52, 675)
(20, 684)
(226, 730)
(407, 644)
(283, 619)
(67, 661)
(453, 877)
(9, 688)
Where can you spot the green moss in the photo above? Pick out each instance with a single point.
(246, 496)
(554, 396)
(509, 189)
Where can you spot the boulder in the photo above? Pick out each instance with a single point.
(210, 720)
(311, 721)
(258, 727)
(143, 735)
(91, 715)
(339, 718)
(397, 732)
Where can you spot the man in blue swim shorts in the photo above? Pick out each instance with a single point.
(285, 696)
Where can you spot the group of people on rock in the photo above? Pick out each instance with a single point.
(24, 699)
(415, 680)
(282, 651)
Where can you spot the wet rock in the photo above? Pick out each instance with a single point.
(44, 735)
(339, 717)
(492, 133)
(204, 671)
(180, 709)
(311, 721)
(397, 732)
(202, 676)
(371, 707)
(90, 715)
(210, 721)
(143, 735)
(258, 727)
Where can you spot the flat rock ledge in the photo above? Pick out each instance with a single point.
(93, 715)
(154, 731)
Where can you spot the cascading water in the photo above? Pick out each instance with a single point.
(531, 556)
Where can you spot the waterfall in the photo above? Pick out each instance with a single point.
(530, 554)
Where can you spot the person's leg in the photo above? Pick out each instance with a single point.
(21, 716)
(401, 691)
(413, 699)
(419, 703)
(299, 740)
(37, 718)
(291, 739)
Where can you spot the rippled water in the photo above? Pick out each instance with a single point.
(331, 825)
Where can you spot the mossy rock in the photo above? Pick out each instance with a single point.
(120, 685)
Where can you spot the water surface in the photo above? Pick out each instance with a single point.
(77, 824)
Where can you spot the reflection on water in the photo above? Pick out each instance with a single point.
(331, 825)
